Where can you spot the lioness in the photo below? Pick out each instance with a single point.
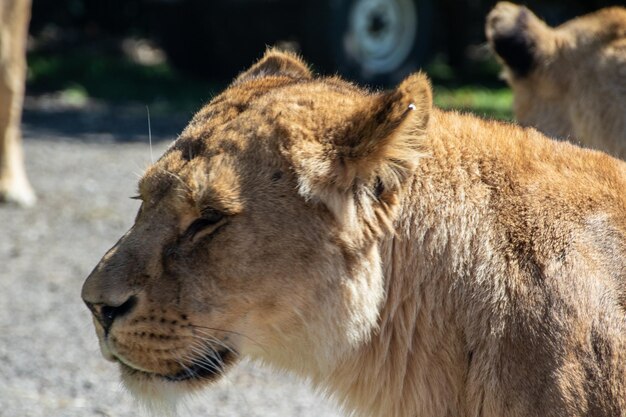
(412, 261)
(14, 17)
(568, 81)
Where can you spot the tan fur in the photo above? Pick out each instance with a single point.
(410, 261)
(577, 87)
(14, 17)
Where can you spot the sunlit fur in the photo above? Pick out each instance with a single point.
(408, 261)
(576, 86)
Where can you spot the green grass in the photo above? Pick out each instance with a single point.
(80, 76)
(494, 103)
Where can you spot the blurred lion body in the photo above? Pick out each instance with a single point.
(14, 18)
(412, 262)
(568, 81)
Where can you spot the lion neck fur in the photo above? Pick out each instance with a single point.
(416, 361)
(448, 285)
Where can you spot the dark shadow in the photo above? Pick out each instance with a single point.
(100, 123)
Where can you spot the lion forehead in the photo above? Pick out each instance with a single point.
(207, 180)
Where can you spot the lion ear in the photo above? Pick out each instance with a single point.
(276, 63)
(385, 139)
(375, 150)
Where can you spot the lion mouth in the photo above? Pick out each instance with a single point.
(207, 367)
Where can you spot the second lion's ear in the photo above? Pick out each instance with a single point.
(276, 63)
(518, 37)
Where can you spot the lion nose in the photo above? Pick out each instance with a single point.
(106, 314)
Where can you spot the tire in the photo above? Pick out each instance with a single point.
(377, 42)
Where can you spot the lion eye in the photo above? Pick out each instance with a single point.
(209, 218)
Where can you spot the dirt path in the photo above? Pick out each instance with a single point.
(84, 164)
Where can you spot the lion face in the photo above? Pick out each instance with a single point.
(567, 81)
(258, 229)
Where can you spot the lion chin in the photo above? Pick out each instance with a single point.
(161, 393)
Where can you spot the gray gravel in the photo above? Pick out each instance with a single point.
(84, 163)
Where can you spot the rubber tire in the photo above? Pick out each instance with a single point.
(322, 43)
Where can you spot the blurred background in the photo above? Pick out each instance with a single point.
(94, 67)
(179, 52)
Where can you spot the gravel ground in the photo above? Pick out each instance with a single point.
(84, 163)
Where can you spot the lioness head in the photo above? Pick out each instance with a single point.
(258, 229)
(567, 81)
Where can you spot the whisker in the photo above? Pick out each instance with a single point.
(150, 135)
(180, 180)
(215, 329)
(181, 359)
(227, 377)
(216, 365)
(199, 346)
(202, 348)
(209, 366)
(206, 337)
